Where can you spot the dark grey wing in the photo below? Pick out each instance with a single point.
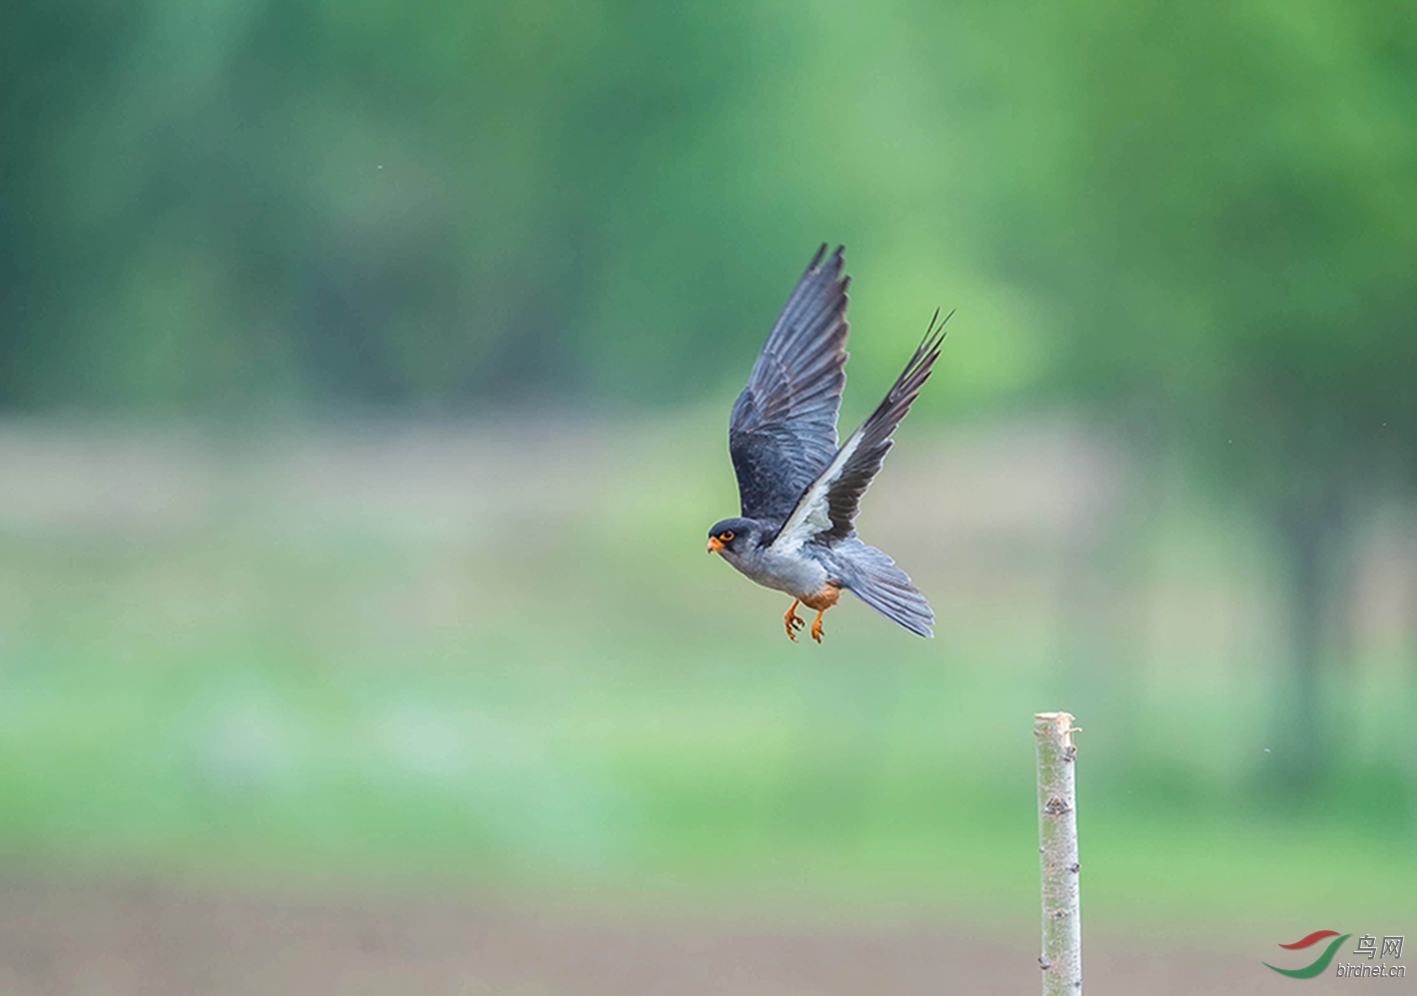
(782, 432)
(827, 508)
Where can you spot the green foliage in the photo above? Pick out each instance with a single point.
(1211, 206)
(1241, 191)
(1211, 209)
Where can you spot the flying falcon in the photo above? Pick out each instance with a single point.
(799, 490)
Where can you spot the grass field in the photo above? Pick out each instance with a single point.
(456, 659)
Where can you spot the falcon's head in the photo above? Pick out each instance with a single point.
(732, 537)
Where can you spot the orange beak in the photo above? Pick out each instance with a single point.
(715, 544)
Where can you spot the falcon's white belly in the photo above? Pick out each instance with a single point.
(798, 575)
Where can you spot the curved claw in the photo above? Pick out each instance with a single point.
(792, 622)
(817, 626)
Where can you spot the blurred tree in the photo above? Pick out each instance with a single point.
(1240, 200)
(243, 203)
(246, 201)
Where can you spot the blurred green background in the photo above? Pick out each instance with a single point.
(364, 375)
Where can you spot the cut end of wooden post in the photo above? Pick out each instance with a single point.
(1059, 724)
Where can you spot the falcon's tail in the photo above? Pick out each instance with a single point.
(872, 576)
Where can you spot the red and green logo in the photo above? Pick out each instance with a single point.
(1318, 964)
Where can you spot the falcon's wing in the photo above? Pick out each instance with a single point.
(828, 506)
(783, 428)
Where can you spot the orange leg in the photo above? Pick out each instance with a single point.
(792, 621)
(817, 626)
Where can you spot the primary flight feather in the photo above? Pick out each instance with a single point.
(798, 488)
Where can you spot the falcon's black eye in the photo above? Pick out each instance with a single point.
(726, 536)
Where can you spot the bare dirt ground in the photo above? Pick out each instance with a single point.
(151, 939)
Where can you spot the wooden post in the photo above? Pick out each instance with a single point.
(1061, 960)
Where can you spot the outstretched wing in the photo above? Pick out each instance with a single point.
(783, 428)
(827, 508)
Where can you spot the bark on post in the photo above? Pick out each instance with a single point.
(1061, 960)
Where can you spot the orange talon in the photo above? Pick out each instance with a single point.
(817, 626)
(792, 621)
